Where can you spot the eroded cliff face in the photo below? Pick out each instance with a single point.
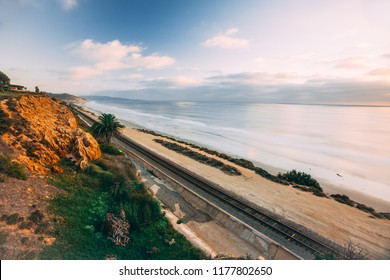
(42, 131)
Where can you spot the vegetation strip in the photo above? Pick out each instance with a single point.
(230, 170)
(241, 162)
(346, 200)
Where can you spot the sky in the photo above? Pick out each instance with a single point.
(295, 51)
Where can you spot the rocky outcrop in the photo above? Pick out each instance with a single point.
(42, 131)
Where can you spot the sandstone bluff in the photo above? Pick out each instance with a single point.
(42, 131)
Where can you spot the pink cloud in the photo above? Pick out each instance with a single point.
(226, 40)
(104, 57)
(351, 62)
(84, 72)
(380, 72)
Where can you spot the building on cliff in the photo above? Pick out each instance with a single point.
(18, 88)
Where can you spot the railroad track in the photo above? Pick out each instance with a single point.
(281, 229)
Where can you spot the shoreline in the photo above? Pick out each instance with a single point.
(329, 187)
(335, 221)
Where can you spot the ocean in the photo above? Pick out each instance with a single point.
(344, 147)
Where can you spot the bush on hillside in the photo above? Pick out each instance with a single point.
(110, 149)
(5, 122)
(133, 198)
(12, 169)
(106, 178)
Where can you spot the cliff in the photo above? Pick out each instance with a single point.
(42, 130)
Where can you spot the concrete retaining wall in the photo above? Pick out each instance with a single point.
(270, 249)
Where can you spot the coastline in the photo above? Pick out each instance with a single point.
(379, 205)
(333, 220)
(329, 186)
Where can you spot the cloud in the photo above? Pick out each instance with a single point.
(110, 51)
(380, 73)
(65, 4)
(232, 31)
(184, 81)
(154, 61)
(282, 88)
(68, 4)
(319, 91)
(226, 40)
(387, 56)
(254, 78)
(135, 76)
(110, 56)
(25, 2)
(84, 72)
(170, 83)
(350, 62)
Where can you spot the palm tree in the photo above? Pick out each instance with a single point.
(106, 127)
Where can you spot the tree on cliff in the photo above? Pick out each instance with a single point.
(4, 80)
(107, 126)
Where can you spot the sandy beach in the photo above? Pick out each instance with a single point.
(352, 163)
(331, 219)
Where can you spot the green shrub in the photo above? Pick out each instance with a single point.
(12, 219)
(12, 169)
(84, 206)
(67, 164)
(300, 178)
(342, 198)
(132, 197)
(365, 208)
(265, 174)
(110, 149)
(36, 216)
(24, 240)
(5, 122)
(120, 192)
(106, 178)
(42, 228)
(25, 225)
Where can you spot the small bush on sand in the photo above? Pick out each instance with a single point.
(300, 178)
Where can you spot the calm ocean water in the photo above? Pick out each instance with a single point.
(346, 146)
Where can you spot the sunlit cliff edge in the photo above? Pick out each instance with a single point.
(42, 130)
